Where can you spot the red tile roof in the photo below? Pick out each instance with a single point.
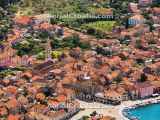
(36, 77)
(11, 89)
(43, 26)
(156, 10)
(61, 98)
(27, 74)
(13, 117)
(16, 34)
(12, 103)
(24, 20)
(53, 103)
(40, 96)
(3, 111)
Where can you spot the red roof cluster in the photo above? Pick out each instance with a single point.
(23, 20)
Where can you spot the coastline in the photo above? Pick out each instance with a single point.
(113, 111)
(128, 105)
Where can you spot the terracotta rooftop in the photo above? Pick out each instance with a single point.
(56, 71)
(61, 98)
(27, 74)
(156, 84)
(111, 93)
(24, 20)
(43, 26)
(11, 89)
(16, 34)
(53, 102)
(12, 103)
(13, 117)
(156, 10)
(40, 96)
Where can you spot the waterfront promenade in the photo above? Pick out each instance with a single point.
(105, 110)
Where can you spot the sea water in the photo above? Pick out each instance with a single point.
(148, 112)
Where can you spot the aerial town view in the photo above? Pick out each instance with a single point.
(79, 59)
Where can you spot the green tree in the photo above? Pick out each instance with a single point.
(41, 56)
(72, 41)
(5, 23)
(118, 79)
(143, 78)
(56, 54)
(28, 47)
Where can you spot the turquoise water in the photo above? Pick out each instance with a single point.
(149, 112)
